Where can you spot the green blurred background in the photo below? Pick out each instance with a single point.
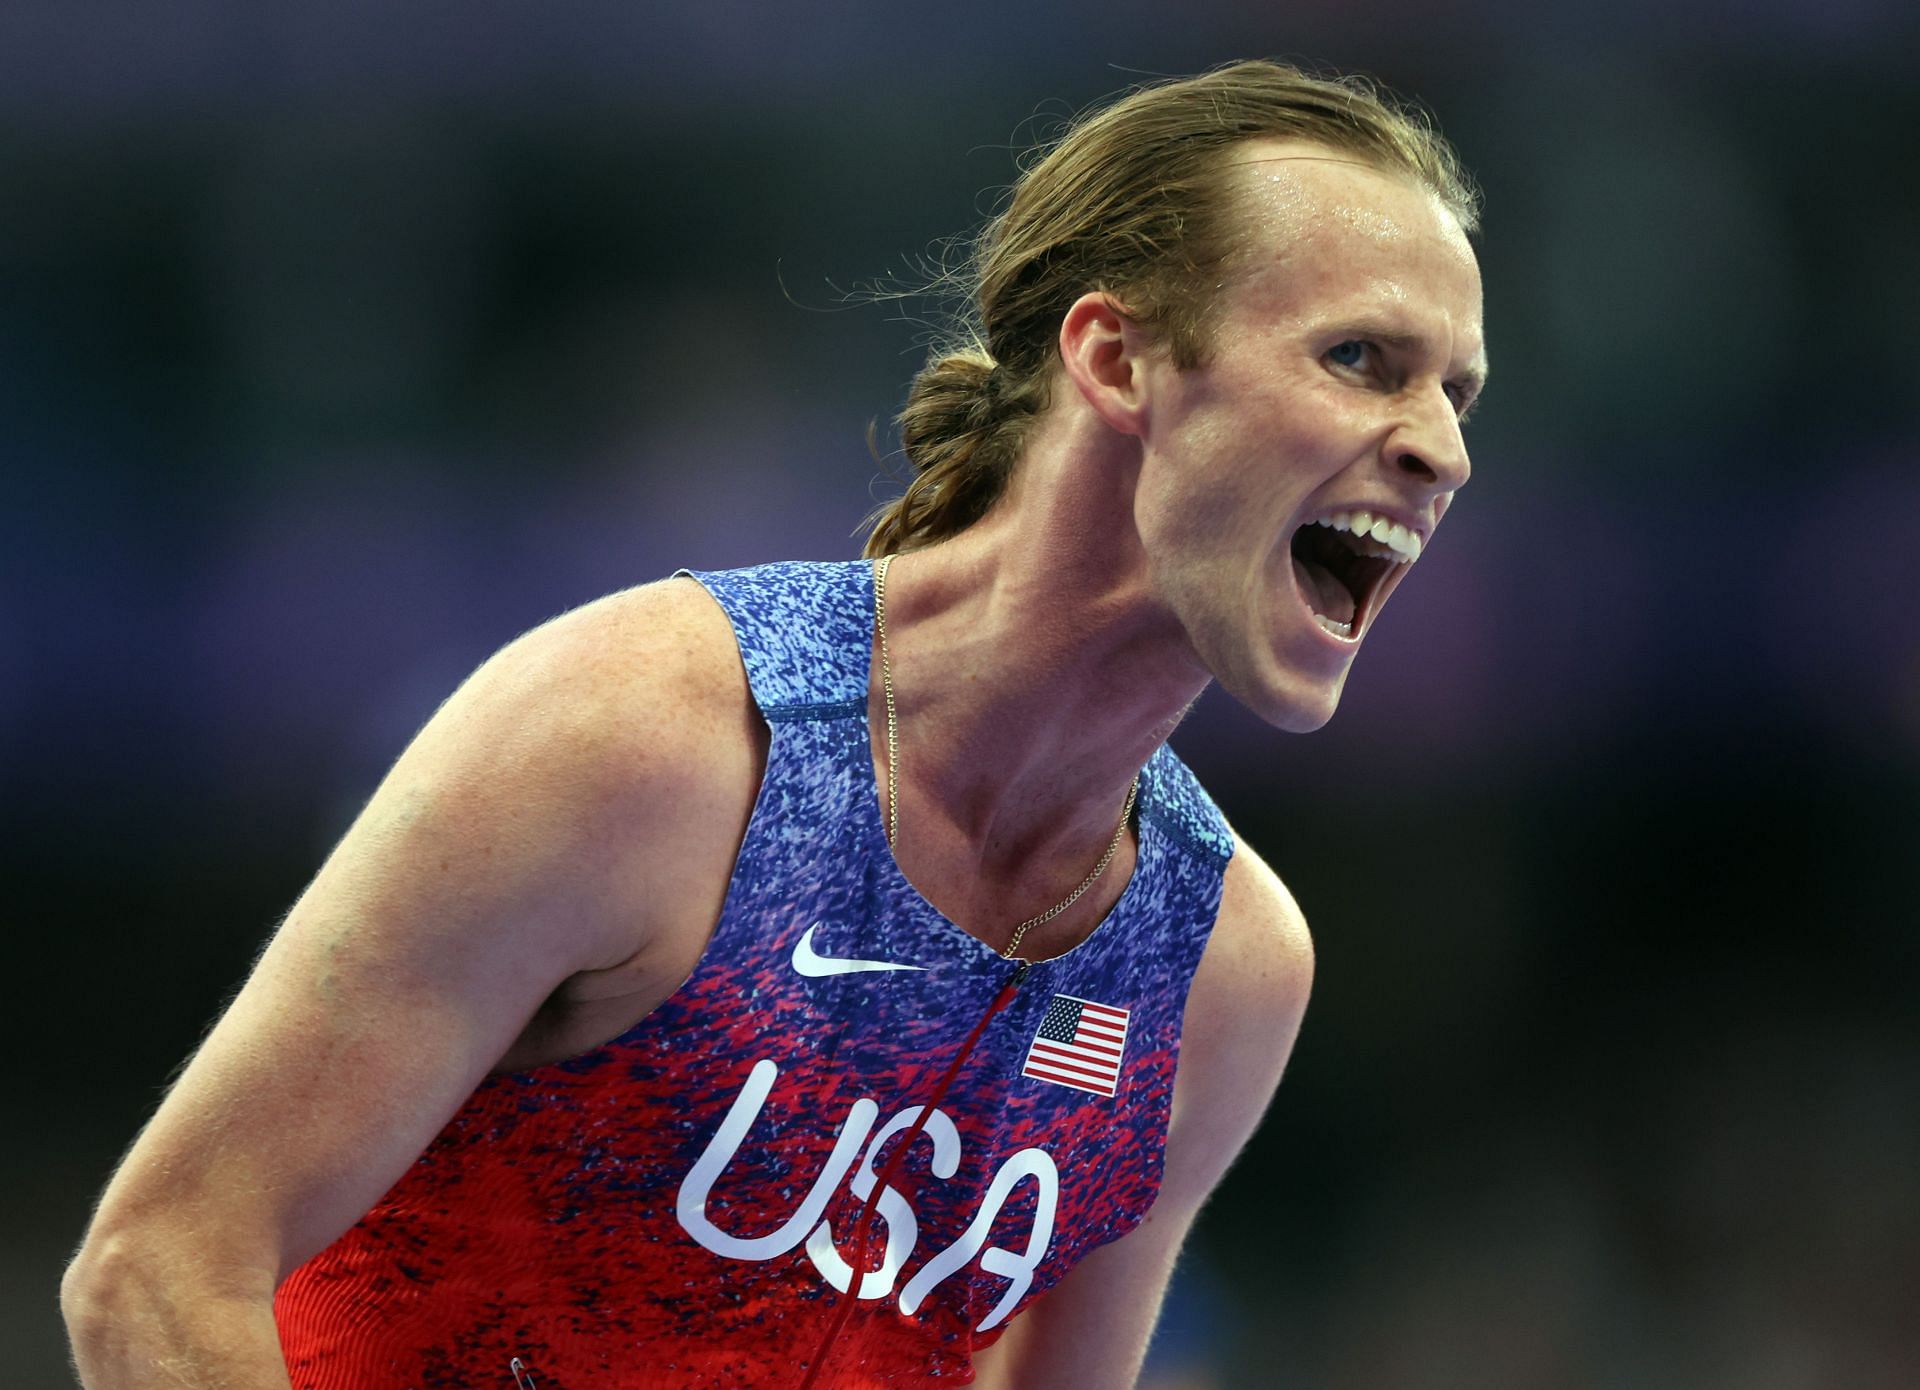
(340, 344)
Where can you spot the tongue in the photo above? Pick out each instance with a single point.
(1325, 594)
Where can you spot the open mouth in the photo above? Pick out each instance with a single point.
(1342, 565)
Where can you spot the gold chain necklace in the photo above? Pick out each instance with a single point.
(893, 775)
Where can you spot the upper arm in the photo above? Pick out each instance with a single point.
(511, 846)
(1243, 1013)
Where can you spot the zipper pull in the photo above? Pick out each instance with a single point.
(1004, 996)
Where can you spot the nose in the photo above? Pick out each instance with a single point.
(1428, 447)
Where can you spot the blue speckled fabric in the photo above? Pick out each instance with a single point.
(669, 1210)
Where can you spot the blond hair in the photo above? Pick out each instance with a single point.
(1133, 200)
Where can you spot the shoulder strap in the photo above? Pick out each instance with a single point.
(1172, 798)
(805, 630)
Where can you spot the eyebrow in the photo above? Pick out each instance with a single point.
(1475, 377)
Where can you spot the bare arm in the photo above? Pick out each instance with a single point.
(518, 844)
(1242, 1016)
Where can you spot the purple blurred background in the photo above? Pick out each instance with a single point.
(340, 345)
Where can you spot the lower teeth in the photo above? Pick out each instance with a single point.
(1338, 629)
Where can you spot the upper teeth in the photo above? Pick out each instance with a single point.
(1401, 544)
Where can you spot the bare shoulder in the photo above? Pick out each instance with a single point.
(1243, 1014)
(615, 675)
(1250, 991)
(578, 798)
(1261, 932)
(561, 829)
(637, 708)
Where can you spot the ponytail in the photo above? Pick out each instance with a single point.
(961, 430)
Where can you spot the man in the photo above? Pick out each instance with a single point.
(777, 977)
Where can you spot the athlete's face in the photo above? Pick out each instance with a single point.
(1347, 342)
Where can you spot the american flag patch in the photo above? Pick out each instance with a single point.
(1080, 1044)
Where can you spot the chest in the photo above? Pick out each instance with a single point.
(1035, 1130)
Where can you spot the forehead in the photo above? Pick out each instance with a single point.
(1324, 235)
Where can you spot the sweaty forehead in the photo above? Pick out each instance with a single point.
(1321, 229)
(1295, 192)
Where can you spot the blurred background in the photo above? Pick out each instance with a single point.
(340, 344)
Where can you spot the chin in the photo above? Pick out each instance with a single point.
(1288, 701)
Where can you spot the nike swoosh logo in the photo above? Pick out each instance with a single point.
(812, 964)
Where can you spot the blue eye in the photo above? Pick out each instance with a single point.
(1348, 354)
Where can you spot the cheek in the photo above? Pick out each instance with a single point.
(1210, 521)
(1319, 400)
(1189, 489)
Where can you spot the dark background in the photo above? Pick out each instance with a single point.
(339, 345)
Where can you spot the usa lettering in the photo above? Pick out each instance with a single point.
(808, 1223)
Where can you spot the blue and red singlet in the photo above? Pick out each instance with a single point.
(673, 1210)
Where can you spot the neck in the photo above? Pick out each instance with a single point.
(1033, 674)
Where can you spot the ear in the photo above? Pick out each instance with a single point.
(1104, 352)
